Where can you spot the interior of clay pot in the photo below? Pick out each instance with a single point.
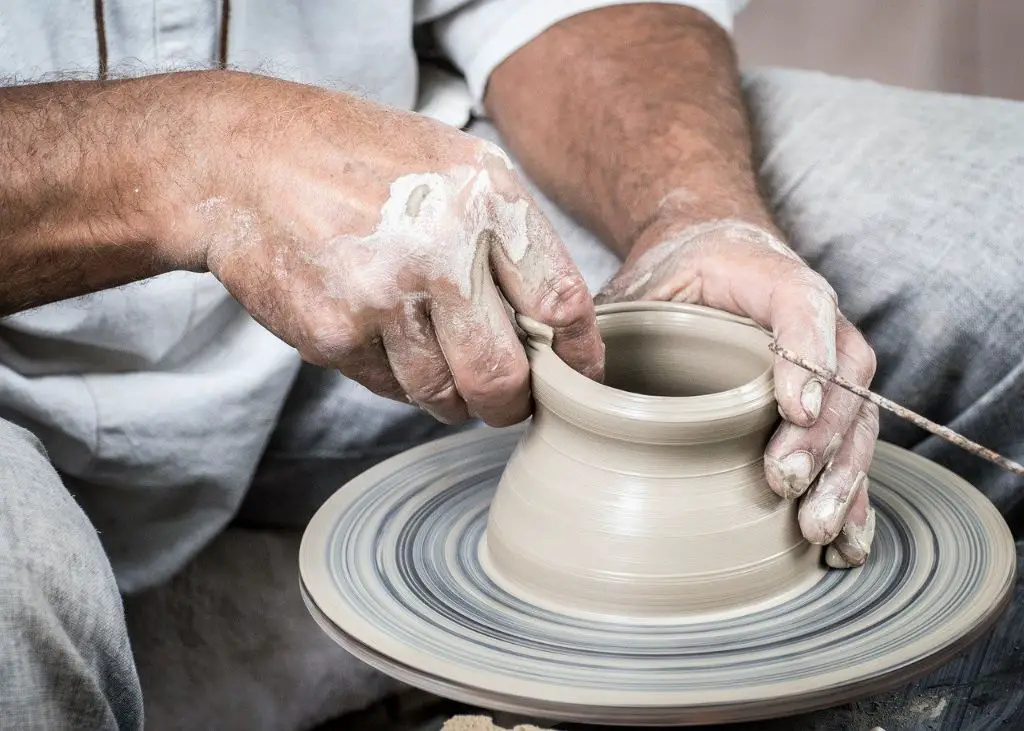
(652, 361)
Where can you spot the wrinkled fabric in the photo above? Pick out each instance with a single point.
(65, 659)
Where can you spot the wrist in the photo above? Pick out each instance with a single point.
(76, 179)
(680, 214)
(94, 177)
(181, 125)
(112, 173)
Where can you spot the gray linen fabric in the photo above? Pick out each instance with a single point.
(65, 659)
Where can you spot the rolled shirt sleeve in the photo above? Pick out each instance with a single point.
(479, 35)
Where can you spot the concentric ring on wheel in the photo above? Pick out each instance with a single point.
(390, 567)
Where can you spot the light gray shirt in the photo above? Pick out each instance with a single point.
(156, 400)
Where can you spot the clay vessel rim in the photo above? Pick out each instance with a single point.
(565, 383)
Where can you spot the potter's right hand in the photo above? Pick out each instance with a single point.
(822, 451)
(376, 242)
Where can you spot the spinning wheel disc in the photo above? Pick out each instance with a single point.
(390, 568)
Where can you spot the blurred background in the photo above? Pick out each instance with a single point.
(961, 46)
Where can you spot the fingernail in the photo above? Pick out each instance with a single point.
(835, 559)
(794, 471)
(810, 398)
(822, 516)
(853, 544)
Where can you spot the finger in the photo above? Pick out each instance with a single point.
(483, 352)
(538, 277)
(803, 320)
(853, 544)
(419, 365)
(824, 508)
(363, 361)
(796, 454)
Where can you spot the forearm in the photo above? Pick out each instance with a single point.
(79, 190)
(631, 117)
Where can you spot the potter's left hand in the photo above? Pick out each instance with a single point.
(822, 450)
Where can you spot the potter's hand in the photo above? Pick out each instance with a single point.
(379, 243)
(823, 448)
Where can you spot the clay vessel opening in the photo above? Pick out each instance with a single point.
(677, 374)
(651, 361)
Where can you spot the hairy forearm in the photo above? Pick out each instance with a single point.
(631, 117)
(79, 201)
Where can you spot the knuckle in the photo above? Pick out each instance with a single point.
(493, 168)
(333, 342)
(565, 302)
(822, 285)
(485, 149)
(860, 355)
(434, 392)
(867, 423)
(870, 361)
(799, 275)
(496, 382)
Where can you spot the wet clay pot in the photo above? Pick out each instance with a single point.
(645, 496)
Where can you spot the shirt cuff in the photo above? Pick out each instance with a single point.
(483, 33)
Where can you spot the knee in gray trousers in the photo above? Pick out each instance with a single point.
(65, 658)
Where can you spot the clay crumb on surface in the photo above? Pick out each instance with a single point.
(480, 723)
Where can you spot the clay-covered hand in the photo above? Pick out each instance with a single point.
(379, 243)
(824, 446)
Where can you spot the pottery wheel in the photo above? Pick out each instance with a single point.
(391, 569)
